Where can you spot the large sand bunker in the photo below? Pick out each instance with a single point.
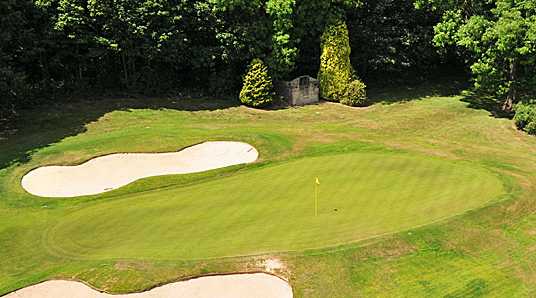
(109, 172)
(255, 285)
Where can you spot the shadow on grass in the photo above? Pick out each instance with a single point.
(441, 86)
(48, 124)
(480, 102)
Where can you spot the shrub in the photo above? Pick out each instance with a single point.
(355, 94)
(522, 115)
(258, 90)
(531, 128)
(525, 117)
(338, 81)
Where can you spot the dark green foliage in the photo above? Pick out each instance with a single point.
(525, 117)
(390, 42)
(258, 90)
(143, 42)
(12, 87)
(28, 56)
(338, 81)
(52, 49)
(284, 52)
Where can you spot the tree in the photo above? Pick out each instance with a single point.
(56, 48)
(310, 19)
(500, 39)
(394, 38)
(27, 51)
(338, 81)
(294, 24)
(257, 90)
(127, 28)
(284, 52)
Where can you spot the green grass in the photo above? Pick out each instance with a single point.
(433, 199)
(272, 208)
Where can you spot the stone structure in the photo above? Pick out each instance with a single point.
(300, 91)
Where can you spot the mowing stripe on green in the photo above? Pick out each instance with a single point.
(271, 209)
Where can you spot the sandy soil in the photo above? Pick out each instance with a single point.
(256, 285)
(109, 172)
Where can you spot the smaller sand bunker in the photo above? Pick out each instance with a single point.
(258, 285)
(109, 172)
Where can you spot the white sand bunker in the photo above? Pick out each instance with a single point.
(109, 172)
(256, 285)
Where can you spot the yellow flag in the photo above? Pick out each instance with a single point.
(317, 181)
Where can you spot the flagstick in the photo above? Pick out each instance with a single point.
(316, 199)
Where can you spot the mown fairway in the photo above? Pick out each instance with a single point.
(402, 175)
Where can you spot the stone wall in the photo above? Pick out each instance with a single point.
(300, 91)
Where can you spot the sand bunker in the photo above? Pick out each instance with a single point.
(258, 285)
(109, 172)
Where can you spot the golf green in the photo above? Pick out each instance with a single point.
(271, 208)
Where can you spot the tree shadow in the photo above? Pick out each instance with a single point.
(47, 124)
(44, 125)
(438, 87)
(481, 102)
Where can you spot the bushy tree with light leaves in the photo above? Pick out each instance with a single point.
(499, 38)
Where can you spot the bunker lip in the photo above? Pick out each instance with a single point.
(105, 173)
(239, 285)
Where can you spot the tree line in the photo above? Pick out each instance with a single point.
(51, 49)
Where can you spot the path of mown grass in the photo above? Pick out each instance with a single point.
(486, 252)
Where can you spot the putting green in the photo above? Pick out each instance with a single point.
(271, 208)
